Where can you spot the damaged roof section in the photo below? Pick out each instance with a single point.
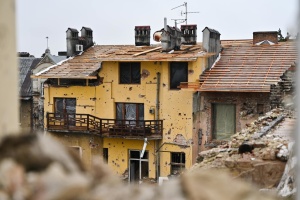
(86, 65)
(244, 67)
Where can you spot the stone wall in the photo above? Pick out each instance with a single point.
(284, 91)
(248, 106)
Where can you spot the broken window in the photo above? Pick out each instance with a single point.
(130, 111)
(138, 167)
(105, 155)
(223, 121)
(65, 108)
(177, 162)
(130, 72)
(178, 74)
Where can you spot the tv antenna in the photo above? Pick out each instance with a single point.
(185, 13)
(47, 41)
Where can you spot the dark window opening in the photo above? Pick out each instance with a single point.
(178, 74)
(130, 73)
(138, 167)
(177, 163)
(105, 155)
(74, 35)
(73, 82)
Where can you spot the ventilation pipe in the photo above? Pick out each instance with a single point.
(165, 24)
(170, 37)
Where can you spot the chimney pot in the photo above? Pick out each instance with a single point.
(142, 35)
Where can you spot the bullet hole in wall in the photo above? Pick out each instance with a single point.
(145, 73)
(130, 88)
(164, 85)
(123, 160)
(191, 71)
(179, 114)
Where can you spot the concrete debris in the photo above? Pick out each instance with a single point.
(270, 136)
(60, 176)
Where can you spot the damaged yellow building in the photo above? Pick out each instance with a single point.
(123, 104)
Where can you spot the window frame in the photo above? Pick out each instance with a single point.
(180, 164)
(172, 67)
(137, 110)
(132, 73)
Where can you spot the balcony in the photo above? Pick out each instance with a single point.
(112, 128)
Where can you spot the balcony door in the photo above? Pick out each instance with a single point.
(130, 112)
(65, 108)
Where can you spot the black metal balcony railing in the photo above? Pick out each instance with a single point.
(104, 127)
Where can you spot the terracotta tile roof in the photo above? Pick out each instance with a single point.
(244, 67)
(85, 66)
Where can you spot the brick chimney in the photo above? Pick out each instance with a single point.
(87, 34)
(72, 40)
(142, 35)
(261, 36)
(189, 34)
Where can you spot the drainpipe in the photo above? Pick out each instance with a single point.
(157, 96)
(157, 118)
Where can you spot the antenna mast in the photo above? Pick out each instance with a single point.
(186, 12)
(47, 41)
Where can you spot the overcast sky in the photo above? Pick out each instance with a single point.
(113, 21)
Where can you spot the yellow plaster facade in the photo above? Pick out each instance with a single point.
(180, 127)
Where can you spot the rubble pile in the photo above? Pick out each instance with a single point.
(264, 166)
(34, 167)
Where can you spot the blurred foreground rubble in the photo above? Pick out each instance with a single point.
(37, 168)
(271, 166)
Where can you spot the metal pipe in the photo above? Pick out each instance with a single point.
(157, 96)
(165, 24)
